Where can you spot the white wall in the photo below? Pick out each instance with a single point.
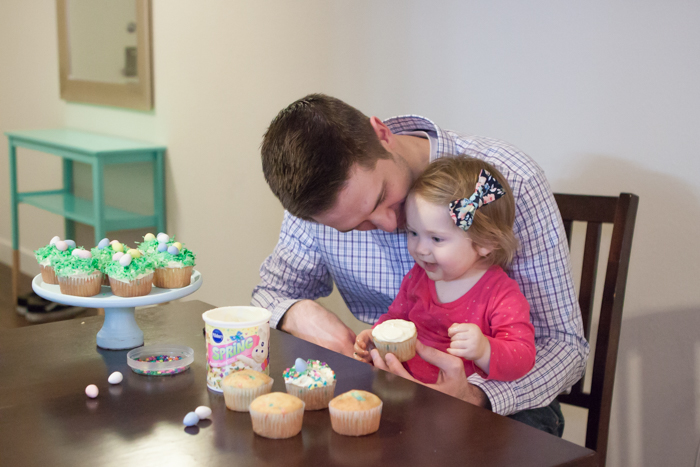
(603, 95)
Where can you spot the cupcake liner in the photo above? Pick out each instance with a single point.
(404, 351)
(172, 278)
(81, 286)
(105, 279)
(315, 398)
(277, 426)
(239, 399)
(48, 275)
(134, 288)
(354, 423)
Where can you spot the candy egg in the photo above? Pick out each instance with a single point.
(116, 256)
(75, 252)
(163, 237)
(91, 391)
(113, 242)
(82, 254)
(173, 250)
(148, 237)
(61, 245)
(300, 365)
(178, 245)
(118, 247)
(162, 247)
(54, 240)
(115, 378)
(125, 260)
(191, 419)
(203, 412)
(134, 253)
(103, 243)
(70, 243)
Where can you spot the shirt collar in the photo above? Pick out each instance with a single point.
(444, 145)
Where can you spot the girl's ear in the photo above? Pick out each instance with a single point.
(483, 251)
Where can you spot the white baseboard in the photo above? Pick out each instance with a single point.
(27, 261)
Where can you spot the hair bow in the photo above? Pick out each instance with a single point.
(487, 190)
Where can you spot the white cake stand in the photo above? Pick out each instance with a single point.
(119, 330)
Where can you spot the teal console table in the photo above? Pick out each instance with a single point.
(98, 151)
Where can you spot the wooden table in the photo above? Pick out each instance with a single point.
(46, 419)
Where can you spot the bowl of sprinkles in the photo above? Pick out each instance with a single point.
(160, 360)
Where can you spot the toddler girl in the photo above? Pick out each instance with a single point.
(459, 219)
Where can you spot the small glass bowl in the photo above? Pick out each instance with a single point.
(160, 359)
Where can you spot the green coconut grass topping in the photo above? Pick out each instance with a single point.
(184, 258)
(148, 246)
(137, 267)
(103, 256)
(51, 253)
(74, 265)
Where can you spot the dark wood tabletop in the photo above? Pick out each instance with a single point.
(46, 419)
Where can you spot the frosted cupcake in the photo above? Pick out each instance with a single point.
(396, 336)
(56, 249)
(174, 263)
(242, 387)
(277, 415)
(78, 274)
(355, 413)
(130, 274)
(103, 253)
(311, 381)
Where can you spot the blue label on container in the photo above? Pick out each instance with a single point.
(217, 336)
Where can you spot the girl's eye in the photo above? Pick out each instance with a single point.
(437, 239)
(412, 233)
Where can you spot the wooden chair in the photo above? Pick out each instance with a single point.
(621, 212)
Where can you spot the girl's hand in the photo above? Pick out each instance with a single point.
(363, 345)
(468, 342)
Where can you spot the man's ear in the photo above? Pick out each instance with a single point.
(384, 134)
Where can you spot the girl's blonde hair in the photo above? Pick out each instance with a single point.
(451, 178)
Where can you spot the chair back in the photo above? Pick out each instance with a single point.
(595, 211)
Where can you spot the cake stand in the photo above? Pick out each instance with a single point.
(119, 330)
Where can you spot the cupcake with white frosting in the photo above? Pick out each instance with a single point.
(396, 336)
(311, 381)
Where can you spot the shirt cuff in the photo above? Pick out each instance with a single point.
(280, 309)
(500, 394)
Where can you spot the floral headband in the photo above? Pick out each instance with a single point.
(487, 190)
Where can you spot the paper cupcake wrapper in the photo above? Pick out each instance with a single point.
(239, 399)
(316, 398)
(354, 423)
(81, 286)
(277, 426)
(172, 278)
(404, 351)
(135, 288)
(48, 275)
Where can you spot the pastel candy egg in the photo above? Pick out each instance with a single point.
(134, 253)
(300, 365)
(125, 260)
(116, 256)
(118, 246)
(113, 242)
(173, 250)
(54, 240)
(191, 419)
(70, 243)
(178, 245)
(148, 237)
(203, 412)
(103, 244)
(163, 237)
(115, 378)
(162, 247)
(82, 254)
(61, 245)
(91, 391)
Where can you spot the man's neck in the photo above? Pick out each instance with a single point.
(415, 151)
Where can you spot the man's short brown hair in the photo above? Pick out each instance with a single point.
(309, 149)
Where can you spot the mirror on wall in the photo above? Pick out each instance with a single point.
(105, 52)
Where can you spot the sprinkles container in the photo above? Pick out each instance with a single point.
(237, 337)
(160, 360)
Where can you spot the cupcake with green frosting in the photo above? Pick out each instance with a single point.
(103, 253)
(78, 273)
(173, 262)
(45, 256)
(130, 274)
(149, 244)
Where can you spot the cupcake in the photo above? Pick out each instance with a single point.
(355, 413)
(241, 387)
(103, 253)
(130, 274)
(396, 336)
(56, 249)
(311, 381)
(173, 262)
(277, 415)
(78, 274)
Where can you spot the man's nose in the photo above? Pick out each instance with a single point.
(384, 219)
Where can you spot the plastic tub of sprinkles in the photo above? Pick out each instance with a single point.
(160, 360)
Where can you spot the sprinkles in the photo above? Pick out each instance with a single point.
(160, 359)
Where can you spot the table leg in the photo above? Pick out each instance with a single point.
(98, 200)
(14, 201)
(159, 191)
(68, 188)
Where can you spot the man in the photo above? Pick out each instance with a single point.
(343, 178)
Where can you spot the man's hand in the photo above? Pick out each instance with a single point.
(308, 320)
(363, 344)
(452, 380)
